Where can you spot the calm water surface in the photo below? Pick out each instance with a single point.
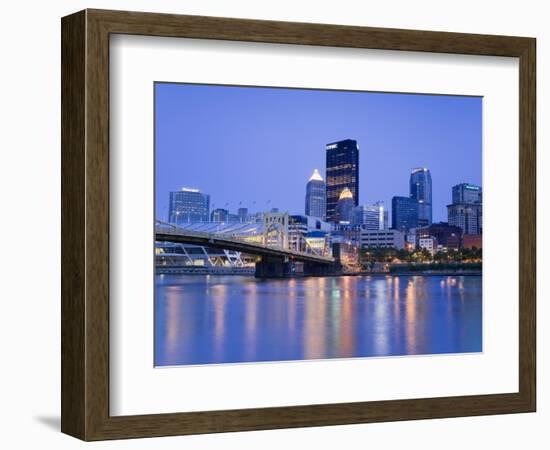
(229, 319)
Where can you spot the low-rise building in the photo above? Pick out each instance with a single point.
(383, 239)
(428, 243)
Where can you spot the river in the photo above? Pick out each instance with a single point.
(207, 319)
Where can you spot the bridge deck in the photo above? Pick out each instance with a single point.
(166, 234)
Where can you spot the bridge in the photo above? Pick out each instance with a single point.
(276, 260)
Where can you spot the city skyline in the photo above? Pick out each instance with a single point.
(280, 189)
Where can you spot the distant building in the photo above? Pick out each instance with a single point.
(219, 215)
(373, 217)
(467, 216)
(188, 205)
(467, 193)
(447, 235)
(421, 190)
(243, 214)
(345, 206)
(342, 171)
(316, 196)
(404, 213)
(472, 241)
(383, 239)
(466, 211)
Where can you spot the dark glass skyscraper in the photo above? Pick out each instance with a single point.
(342, 171)
(421, 191)
(404, 213)
(316, 197)
(188, 205)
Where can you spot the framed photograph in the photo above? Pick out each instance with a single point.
(273, 225)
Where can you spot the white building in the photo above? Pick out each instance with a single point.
(429, 244)
(383, 238)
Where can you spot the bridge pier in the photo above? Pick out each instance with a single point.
(271, 267)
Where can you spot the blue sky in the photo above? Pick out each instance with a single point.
(257, 147)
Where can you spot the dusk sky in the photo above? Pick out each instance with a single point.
(257, 147)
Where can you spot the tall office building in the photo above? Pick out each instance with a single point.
(404, 213)
(316, 196)
(345, 206)
(467, 193)
(188, 205)
(421, 191)
(466, 211)
(342, 171)
(371, 217)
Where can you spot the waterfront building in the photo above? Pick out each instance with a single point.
(345, 206)
(373, 217)
(467, 193)
(411, 239)
(383, 239)
(428, 243)
(420, 184)
(243, 214)
(404, 213)
(317, 241)
(342, 171)
(219, 215)
(300, 227)
(316, 197)
(448, 236)
(188, 205)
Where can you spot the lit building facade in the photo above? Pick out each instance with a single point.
(404, 213)
(372, 217)
(429, 244)
(342, 171)
(420, 184)
(316, 196)
(345, 206)
(188, 205)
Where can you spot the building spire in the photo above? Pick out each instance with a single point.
(316, 176)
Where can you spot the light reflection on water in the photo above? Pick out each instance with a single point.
(230, 319)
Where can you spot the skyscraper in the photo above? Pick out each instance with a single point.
(316, 196)
(345, 206)
(404, 213)
(342, 171)
(467, 193)
(188, 205)
(421, 191)
(466, 211)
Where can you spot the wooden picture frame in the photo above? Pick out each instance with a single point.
(85, 224)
